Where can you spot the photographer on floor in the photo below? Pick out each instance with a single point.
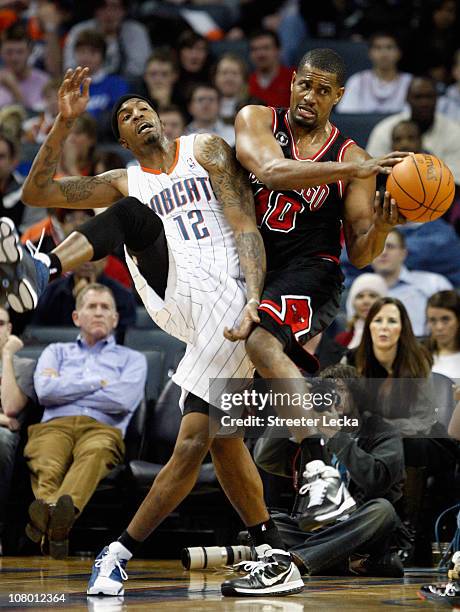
(369, 460)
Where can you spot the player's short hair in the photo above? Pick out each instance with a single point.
(92, 39)
(99, 288)
(327, 60)
(118, 105)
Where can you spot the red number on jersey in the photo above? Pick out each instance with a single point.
(277, 211)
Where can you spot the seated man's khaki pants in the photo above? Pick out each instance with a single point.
(70, 456)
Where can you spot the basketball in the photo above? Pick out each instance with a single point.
(423, 187)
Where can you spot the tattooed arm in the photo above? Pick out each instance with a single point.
(41, 188)
(231, 186)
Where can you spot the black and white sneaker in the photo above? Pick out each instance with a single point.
(444, 593)
(274, 574)
(329, 499)
(23, 277)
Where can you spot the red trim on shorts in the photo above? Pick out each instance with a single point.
(332, 258)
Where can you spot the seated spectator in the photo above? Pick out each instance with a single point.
(11, 181)
(402, 391)
(406, 136)
(104, 89)
(194, 63)
(19, 83)
(57, 303)
(440, 135)
(105, 161)
(204, 110)
(270, 81)
(16, 390)
(37, 128)
(382, 89)
(366, 288)
(160, 82)
(173, 120)
(128, 42)
(443, 321)
(371, 459)
(90, 389)
(449, 103)
(230, 79)
(77, 156)
(414, 287)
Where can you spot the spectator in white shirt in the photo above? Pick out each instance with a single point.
(412, 288)
(204, 109)
(440, 135)
(443, 320)
(382, 89)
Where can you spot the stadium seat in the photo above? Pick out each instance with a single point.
(155, 371)
(38, 334)
(357, 126)
(157, 339)
(143, 319)
(355, 54)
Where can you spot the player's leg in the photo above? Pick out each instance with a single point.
(24, 277)
(171, 486)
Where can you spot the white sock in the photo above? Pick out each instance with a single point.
(120, 550)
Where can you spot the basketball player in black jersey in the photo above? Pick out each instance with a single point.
(301, 209)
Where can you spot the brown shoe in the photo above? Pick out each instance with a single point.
(59, 526)
(39, 514)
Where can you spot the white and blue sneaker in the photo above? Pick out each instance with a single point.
(23, 277)
(108, 573)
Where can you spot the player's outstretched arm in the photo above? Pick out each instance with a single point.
(367, 219)
(231, 186)
(41, 188)
(258, 151)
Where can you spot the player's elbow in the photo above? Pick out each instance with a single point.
(32, 197)
(271, 176)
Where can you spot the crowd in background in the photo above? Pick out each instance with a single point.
(199, 63)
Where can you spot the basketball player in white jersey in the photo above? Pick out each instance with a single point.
(193, 234)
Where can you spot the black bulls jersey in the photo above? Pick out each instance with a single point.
(305, 222)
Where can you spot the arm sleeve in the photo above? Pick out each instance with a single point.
(64, 389)
(123, 395)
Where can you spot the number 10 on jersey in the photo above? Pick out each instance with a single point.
(195, 225)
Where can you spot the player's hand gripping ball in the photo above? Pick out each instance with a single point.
(423, 187)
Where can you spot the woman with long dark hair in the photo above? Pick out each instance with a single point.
(443, 319)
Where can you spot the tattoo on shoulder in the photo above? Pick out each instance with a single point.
(228, 178)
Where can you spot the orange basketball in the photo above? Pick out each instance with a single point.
(423, 187)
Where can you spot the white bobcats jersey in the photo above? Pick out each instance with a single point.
(205, 290)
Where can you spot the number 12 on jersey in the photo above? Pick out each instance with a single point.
(196, 225)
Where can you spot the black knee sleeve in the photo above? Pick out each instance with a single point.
(128, 221)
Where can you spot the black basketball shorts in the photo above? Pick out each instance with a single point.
(298, 302)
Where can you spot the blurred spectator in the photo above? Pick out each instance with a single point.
(270, 81)
(57, 303)
(16, 390)
(160, 83)
(383, 89)
(449, 103)
(440, 135)
(37, 128)
(406, 136)
(18, 82)
(365, 290)
(204, 109)
(11, 204)
(194, 63)
(173, 121)
(128, 43)
(90, 389)
(443, 321)
(105, 161)
(230, 79)
(104, 89)
(412, 288)
(431, 47)
(77, 157)
(11, 121)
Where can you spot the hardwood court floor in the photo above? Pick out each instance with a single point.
(155, 585)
